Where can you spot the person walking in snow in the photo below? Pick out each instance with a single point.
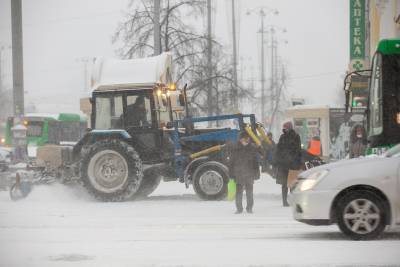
(358, 142)
(287, 157)
(244, 169)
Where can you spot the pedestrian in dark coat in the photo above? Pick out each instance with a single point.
(358, 142)
(287, 157)
(244, 169)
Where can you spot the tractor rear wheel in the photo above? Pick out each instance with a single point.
(210, 181)
(111, 170)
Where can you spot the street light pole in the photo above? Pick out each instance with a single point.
(235, 82)
(262, 15)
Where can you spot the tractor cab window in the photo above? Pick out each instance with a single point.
(138, 111)
(375, 107)
(109, 112)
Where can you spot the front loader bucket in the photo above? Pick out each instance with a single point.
(20, 189)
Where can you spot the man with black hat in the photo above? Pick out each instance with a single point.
(287, 157)
(244, 169)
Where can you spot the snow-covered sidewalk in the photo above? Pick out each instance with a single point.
(62, 226)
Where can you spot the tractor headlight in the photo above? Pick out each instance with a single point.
(312, 180)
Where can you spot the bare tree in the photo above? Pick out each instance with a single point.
(179, 34)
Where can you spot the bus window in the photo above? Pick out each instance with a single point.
(34, 128)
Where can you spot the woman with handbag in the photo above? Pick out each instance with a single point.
(287, 157)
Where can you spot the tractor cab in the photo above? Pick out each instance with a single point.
(138, 97)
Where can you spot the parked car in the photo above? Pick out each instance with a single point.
(362, 196)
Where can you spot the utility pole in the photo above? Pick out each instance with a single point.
(17, 55)
(157, 38)
(209, 61)
(262, 15)
(272, 69)
(234, 95)
(274, 65)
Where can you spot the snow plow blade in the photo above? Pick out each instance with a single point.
(20, 189)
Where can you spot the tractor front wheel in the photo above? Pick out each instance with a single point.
(210, 181)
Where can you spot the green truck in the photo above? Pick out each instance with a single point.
(382, 120)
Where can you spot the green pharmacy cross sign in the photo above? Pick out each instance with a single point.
(358, 65)
(357, 34)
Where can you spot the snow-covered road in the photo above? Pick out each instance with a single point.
(62, 226)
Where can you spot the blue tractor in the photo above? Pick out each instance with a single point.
(141, 132)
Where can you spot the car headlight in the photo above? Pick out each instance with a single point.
(312, 180)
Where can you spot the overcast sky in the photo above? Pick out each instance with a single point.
(59, 34)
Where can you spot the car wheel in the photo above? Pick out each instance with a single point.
(361, 215)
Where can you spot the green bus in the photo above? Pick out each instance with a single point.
(383, 108)
(49, 128)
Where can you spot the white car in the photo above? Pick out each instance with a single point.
(361, 195)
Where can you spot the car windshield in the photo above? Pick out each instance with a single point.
(393, 152)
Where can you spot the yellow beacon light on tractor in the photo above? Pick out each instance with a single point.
(172, 86)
